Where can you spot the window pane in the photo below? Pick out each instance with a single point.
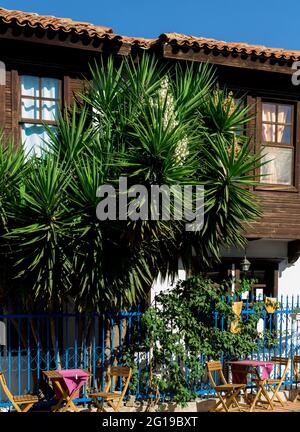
(34, 138)
(30, 86)
(49, 110)
(284, 134)
(30, 108)
(268, 132)
(284, 113)
(279, 168)
(50, 88)
(269, 112)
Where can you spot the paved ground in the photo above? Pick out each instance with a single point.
(288, 407)
(204, 407)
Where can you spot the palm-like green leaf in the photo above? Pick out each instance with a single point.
(42, 228)
(156, 126)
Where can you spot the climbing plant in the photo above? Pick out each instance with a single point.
(190, 324)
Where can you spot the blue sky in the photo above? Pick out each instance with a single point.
(266, 22)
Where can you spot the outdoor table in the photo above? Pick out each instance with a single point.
(66, 384)
(241, 368)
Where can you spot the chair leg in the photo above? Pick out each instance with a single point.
(247, 398)
(265, 394)
(16, 407)
(213, 409)
(296, 396)
(116, 407)
(231, 398)
(99, 405)
(28, 407)
(235, 395)
(255, 399)
(58, 405)
(275, 395)
(119, 404)
(221, 401)
(70, 404)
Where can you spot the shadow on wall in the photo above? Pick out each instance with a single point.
(289, 278)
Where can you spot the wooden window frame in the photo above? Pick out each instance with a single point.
(40, 98)
(295, 142)
(16, 121)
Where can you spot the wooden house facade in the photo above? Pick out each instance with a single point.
(43, 61)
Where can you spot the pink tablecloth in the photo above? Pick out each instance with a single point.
(240, 369)
(73, 379)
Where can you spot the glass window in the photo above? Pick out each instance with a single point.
(30, 86)
(277, 142)
(40, 104)
(34, 138)
(278, 170)
(30, 108)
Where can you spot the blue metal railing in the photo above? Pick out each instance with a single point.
(37, 342)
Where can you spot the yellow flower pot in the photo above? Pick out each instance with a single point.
(270, 304)
(237, 310)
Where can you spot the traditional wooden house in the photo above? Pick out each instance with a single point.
(44, 58)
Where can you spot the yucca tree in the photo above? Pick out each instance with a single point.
(154, 126)
(178, 127)
(12, 170)
(40, 233)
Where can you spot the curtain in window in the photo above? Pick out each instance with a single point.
(44, 108)
(39, 104)
(30, 86)
(50, 88)
(283, 131)
(49, 110)
(278, 170)
(35, 138)
(268, 115)
(276, 120)
(30, 108)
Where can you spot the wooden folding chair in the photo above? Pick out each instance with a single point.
(20, 403)
(261, 385)
(227, 393)
(112, 397)
(275, 384)
(296, 369)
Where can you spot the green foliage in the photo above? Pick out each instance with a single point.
(153, 125)
(189, 325)
(41, 228)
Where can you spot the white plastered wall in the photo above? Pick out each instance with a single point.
(161, 285)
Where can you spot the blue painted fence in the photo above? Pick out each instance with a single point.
(94, 341)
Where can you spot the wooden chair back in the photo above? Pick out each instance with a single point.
(5, 388)
(281, 362)
(215, 368)
(118, 372)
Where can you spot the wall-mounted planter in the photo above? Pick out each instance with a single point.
(237, 310)
(270, 304)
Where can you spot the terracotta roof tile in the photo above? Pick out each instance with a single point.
(142, 42)
(67, 25)
(33, 20)
(238, 47)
